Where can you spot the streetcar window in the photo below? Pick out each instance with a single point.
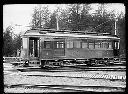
(97, 45)
(69, 44)
(116, 45)
(91, 45)
(109, 45)
(47, 44)
(77, 44)
(59, 44)
(84, 45)
(104, 45)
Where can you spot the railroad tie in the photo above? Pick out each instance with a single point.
(85, 75)
(107, 77)
(90, 76)
(104, 76)
(124, 77)
(101, 76)
(119, 77)
(111, 77)
(93, 76)
(82, 75)
(97, 76)
(115, 77)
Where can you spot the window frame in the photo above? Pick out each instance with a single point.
(104, 45)
(83, 47)
(75, 44)
(92, 44)
(70, 44)
(110, 45)
(59, 44)
(97, 45)
(45, 44)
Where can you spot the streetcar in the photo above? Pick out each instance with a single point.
(49, 47)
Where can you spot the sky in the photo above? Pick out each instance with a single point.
(21, 14)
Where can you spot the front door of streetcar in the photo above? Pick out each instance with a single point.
(34, 48)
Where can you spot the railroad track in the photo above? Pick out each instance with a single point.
(68, 88)
(54, 71)
(86, 76)
(69, 69)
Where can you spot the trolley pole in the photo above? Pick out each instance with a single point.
(57, 22)
(40, 17)
(57, 18)
(116, 26)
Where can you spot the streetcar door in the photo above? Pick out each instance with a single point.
(33, 47)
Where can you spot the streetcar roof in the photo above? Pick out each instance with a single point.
(37, 33)
(81, 36)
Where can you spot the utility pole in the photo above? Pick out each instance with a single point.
(40, 16)
(102, 10)
(57, 21)
(102, 13)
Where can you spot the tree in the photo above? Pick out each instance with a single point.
(17, 43)
(74, 16)
(8, 42)
(122, 35)
(103, 21)
(63, 19)
(85, 22)
(79, 17)
(52, 22)
(40, 17)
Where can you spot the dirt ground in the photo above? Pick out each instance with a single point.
(71, 80)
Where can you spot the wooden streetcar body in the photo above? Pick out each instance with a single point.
(41, 47)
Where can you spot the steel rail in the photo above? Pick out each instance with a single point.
(69, 88)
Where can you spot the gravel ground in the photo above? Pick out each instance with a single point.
(30, 90)
(22, 79)
(34, 80)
